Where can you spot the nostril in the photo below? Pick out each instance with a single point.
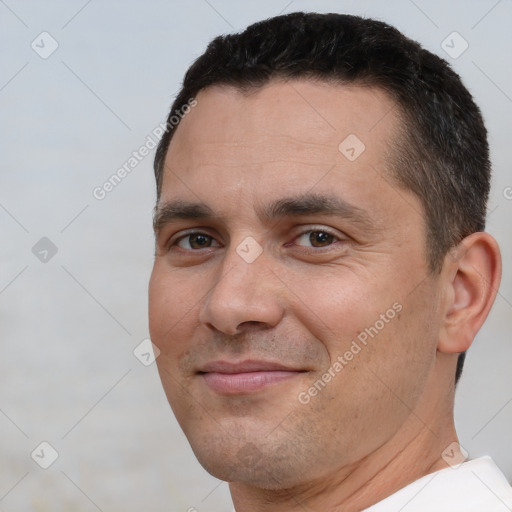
(249, 323)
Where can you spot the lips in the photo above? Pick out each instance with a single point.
(231, 378)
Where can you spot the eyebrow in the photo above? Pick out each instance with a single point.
(180, 210)
(304, 205)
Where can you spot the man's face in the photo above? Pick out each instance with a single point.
(283, 248)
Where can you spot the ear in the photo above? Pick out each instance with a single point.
(472, 272)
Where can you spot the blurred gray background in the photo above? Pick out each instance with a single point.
(71, 115)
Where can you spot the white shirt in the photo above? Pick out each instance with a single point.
(474, 486)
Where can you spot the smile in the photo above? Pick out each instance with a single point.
(240, 378)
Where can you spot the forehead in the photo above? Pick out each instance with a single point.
(290, 137)
(297, 114)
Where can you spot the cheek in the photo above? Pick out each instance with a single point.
(171, 309)
(158, 306)
(376, 327)
(170, 326)
(339, 306)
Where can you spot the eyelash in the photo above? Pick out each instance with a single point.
(336, 237)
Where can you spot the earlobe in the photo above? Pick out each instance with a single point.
(474, 270)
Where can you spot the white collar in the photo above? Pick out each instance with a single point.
(476, 485)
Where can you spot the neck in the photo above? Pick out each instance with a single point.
(414, 451)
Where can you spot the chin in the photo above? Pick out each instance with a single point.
(254, 461)
(263, 473)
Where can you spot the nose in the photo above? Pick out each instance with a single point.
(244, 293)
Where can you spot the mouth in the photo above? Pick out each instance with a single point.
(229, 378)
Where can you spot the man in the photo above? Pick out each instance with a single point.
(321, 268)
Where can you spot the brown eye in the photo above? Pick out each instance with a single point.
(196, 241)
(320, 238)
(316, 239)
